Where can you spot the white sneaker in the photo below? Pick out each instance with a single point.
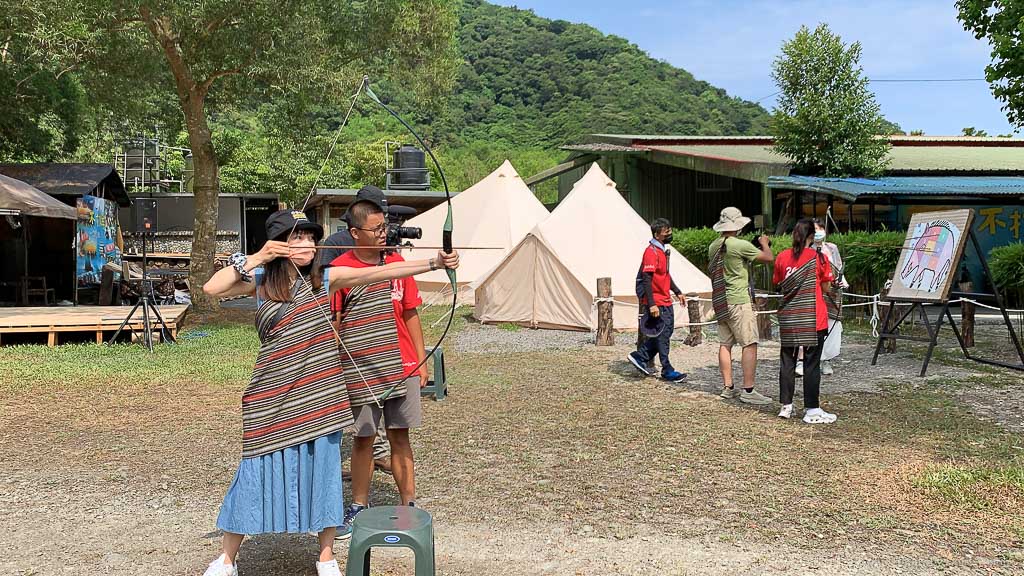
(219, 568)
(328, 568)
(754, 397)
(826, 368)
(786, 412)
(819, 416)
(799, 367)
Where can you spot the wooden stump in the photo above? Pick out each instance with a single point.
(764, 321)
(605, 322)
(696, 335)
(967, 310)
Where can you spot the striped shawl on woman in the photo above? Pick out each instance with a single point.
(297, 393)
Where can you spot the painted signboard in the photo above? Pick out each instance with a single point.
(97, 239)
(930, 260)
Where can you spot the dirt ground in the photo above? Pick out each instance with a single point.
(552, 458)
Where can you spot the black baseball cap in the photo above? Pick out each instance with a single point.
(282, 222)
(371, 193)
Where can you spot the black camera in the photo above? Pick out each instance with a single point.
(397, 215)
(757, 244)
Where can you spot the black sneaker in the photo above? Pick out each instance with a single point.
(345, 530)
(634, 359)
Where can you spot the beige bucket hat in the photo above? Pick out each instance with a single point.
(731, 220)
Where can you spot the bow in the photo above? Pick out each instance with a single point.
(446, 237)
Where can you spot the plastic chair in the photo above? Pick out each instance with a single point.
(438, 387)
(391, 527)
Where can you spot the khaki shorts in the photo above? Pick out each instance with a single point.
(740, 328)
(401, 412)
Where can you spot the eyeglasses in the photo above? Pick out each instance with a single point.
(381, 230)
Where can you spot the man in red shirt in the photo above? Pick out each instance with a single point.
(654, 285)
(368, 226)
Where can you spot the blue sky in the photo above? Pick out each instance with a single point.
(732, 43)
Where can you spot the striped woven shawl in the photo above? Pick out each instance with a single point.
(834, 296)
(719, 297)
(798, 321)
(296, 393)
(371, 338)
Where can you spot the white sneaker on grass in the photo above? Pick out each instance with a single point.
(328, 568)
(819, 416)
(754, 397)
(219, 568)
(826, 368)
(729, 393)
(799, 367)
(786, 412)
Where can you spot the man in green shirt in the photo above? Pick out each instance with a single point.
(730, 258)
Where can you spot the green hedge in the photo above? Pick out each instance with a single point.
(1007, 265)
(869, 257)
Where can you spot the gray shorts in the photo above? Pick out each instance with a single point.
(400, 412)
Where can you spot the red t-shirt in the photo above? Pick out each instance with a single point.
(404, 296)
(785, 264)
(656, 262)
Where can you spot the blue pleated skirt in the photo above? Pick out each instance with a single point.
(297, 489)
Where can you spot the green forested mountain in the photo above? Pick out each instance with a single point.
(531, 81)
(525, 86)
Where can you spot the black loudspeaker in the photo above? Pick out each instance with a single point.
(145, 215)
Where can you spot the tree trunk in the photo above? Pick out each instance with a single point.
(192, 97)
(206, 185)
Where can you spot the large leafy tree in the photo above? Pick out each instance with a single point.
(826, 119)
(210, 54)
(43, 105)
(1001, 22)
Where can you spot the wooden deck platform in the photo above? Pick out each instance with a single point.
(52, 320)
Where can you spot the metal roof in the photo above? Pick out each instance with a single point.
(71, 179)
(896, 140)
(909, 155)
(909, 186)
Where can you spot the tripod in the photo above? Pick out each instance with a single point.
(148, 303)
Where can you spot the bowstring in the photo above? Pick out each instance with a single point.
(309, 196)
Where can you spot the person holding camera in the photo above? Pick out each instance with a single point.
(381, 330)
(296, 403)
(803, 274)
(653, 286)
(341, 242)
(730, 296)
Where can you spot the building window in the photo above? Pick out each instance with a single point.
(713, 182)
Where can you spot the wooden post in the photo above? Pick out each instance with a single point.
(696, 335)
(764, 321)
(888, 320)
(967, 316)
(605, 322)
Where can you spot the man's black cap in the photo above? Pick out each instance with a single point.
(280, 224)
(371, 193)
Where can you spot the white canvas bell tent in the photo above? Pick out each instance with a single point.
(496, 212)
(550, 279)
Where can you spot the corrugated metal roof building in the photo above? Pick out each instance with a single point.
(688, 179)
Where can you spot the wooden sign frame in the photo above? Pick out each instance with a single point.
(894, 318)
(930, 259)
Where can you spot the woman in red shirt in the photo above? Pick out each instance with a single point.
(802, 273)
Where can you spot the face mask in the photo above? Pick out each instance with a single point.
(819, 236)
(667, 240)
